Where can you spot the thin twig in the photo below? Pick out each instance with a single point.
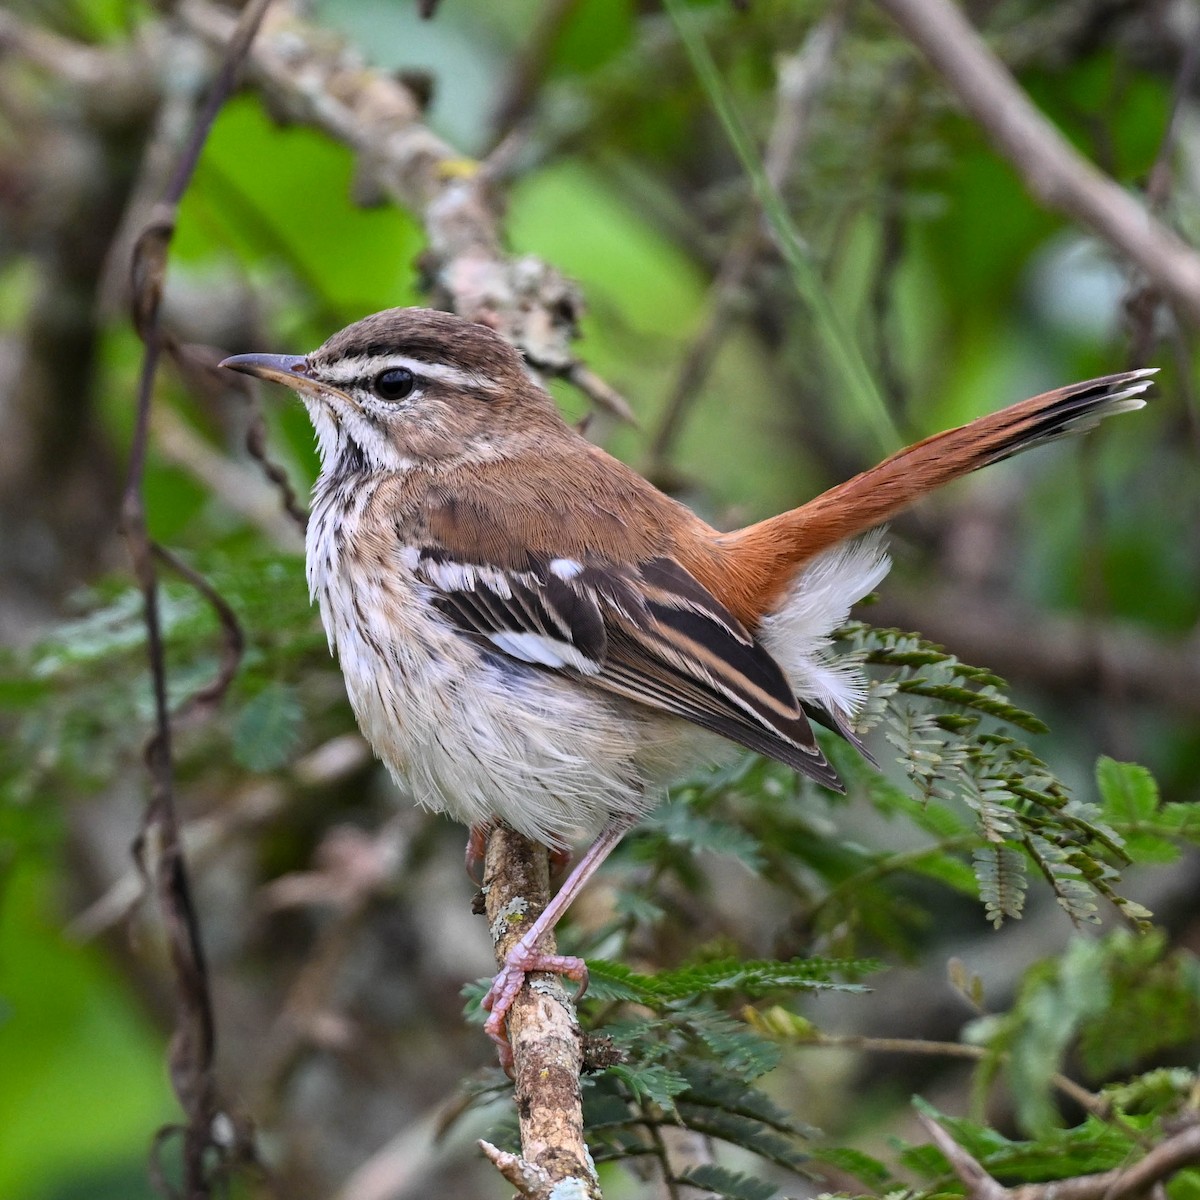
(529, 68)
(1086, 1100)
(799, 79)
(256, 447)
(885, 865)
(205, 1154)
(233, 641)
(979, 1184)
(238, 487)
(1177, 1151)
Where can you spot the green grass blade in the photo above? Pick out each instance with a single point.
(839, 343)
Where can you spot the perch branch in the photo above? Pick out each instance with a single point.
(546, 1040)
(1050, 167)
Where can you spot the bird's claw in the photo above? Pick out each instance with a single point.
(509, 980)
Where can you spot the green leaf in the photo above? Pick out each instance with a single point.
(654, 1082)
(740, 1052)
(1132, 804)
(730, 1184)
(737, 1130)
(683, 826)
(267, 728)
(1000, 872)
(1128, 790)
(1154, 1004)
(871, 1171)
(945, 868)
(614, 981)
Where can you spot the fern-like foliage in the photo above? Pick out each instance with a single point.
(750, 979)
(694, 1067)
(681, 1061)
(951, 725)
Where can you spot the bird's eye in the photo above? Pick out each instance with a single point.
(394, 384)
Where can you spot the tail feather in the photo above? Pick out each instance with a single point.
(768, 555)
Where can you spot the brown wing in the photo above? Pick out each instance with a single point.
(592, 594)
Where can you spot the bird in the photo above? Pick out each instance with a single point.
(532, 633)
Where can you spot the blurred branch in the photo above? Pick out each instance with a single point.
(96, 70)
(401, 1169)
(351, 870)
(546, 1040)
(529, 68)
(240, 489)
(1056, 652)
(1051, 168)
(1142, 304)
(681, 1151)
(307, 76)
(204, 839)
(1179, 1150)
(839, 341)
(1088, 1101)
(65, 175)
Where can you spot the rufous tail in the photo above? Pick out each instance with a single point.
(765, 557)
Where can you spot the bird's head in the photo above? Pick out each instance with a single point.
(410, 386)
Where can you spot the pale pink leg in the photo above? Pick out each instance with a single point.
(525, 956)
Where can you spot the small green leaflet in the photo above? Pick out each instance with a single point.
(613, 981)
(267, 728)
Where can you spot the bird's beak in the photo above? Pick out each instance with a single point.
(287, 369)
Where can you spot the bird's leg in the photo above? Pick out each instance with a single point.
(560, 860)
(525, 956)
(477, 837)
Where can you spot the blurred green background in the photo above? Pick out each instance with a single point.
(959, 292)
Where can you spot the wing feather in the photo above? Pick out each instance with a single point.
(649, 632)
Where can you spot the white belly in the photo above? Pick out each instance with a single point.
(468, 730)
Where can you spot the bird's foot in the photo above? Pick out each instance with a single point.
(521, 960)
